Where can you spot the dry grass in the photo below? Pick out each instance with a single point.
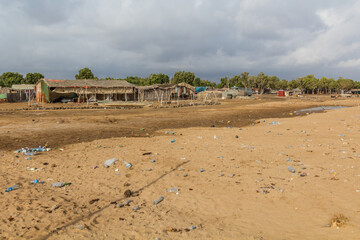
(338, 220)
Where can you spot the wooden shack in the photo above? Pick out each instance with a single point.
(21, 93)
(165, 92)
(86, 90)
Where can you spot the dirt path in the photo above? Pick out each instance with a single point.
(61, 127)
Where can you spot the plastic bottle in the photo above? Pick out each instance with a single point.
(157, 201)
(173, 190)
(127, 164)
(172, 141)
(60, 184)
(110, 162)
(36, 181)
(291, 169)
(127, 203)
(14, 187)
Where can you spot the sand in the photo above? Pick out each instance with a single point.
(233, 183)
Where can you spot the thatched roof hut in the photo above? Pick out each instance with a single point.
(50, 90)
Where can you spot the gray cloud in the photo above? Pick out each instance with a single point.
(287, 38)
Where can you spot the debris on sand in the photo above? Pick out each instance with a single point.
(338, 221)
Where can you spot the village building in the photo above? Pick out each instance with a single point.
(21, 93)
(86, 90)
(165, 92)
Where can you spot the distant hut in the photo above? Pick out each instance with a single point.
(51, 90)
(21, 92)
(3, 93)
(165, 92)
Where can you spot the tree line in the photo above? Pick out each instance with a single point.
(307, 84)
(7, 79)
(154, 78)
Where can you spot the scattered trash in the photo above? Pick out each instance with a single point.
(94, 200)
(231, 175)
(30, 153)
(200, 137)
(127, 202)
(202, 170)
(54, 207)
(12, 188)
(173, 133)
(157, 201)
(127, 164)
(274, 123)
(109, 162)
(95, 167)
(136, 208)
(173, 190)
(172, 141)
(36, 181)
(153, 160)
(60, 184)
(341, 135)
(30, 169)
(32, 150)
(147, 153)
(291, 169)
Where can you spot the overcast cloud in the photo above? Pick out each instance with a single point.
(212, 38)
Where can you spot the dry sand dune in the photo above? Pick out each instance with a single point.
(233, 183)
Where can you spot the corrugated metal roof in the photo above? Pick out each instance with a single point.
(86, 83)
(23, 86)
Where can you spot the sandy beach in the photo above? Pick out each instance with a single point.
(232, 183)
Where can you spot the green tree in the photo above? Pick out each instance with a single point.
(134, 80)
(159, 78)
(85, 73)
(235, 81)
(223, 82)
(345, 84)
(9, 78)
(32, 78)
(182, 76)
(293, 84)
(274, 82)
(197, 82)
(262, 82)
(246, 81)
(206, 83)
(283, 84)
(308, 83)
(325, 84)
(333, 85)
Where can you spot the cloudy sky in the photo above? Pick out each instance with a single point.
(212, 38)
